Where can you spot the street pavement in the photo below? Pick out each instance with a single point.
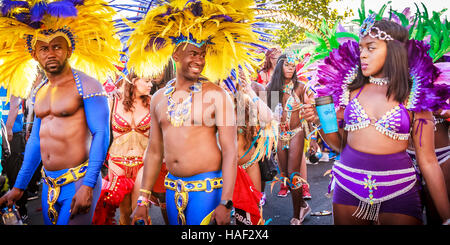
(276, 211)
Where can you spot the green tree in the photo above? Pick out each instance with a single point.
(314, 11)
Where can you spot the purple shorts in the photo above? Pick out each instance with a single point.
(408, 203)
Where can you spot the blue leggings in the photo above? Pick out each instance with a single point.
(200, 204)
(64, 201)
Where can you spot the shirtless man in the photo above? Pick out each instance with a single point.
(191, 151)
(70, 107)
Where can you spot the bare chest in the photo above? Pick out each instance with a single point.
(59, 101)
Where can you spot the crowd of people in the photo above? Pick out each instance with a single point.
(198, 129)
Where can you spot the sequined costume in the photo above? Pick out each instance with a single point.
(58, 191)
(126, 152)
(293, 103)
(129, 142)
(132, 138)
(395, 123)
(226, 28)
(378, 183)
(88, 29)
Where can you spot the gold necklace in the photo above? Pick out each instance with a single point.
(178, 113)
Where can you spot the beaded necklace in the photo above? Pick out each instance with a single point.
(287, 88)
(379, 81)
(177, 113)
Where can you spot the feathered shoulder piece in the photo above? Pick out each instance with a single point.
(264, 142)
(424, 94)
(441, 84)
(338, 70)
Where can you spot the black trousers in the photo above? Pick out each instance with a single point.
(12, 165)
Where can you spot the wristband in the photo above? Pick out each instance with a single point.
(145, 191)
(255, 99)
(142, 202)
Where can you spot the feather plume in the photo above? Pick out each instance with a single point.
(225, 26)
(91, 29)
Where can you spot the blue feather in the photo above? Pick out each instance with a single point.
(77, 2)
(37, 11)
(229, 84)
(62, 9)
(10, 5)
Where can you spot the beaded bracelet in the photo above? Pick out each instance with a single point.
(142, 202)
(145, 191)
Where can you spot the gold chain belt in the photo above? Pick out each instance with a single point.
(182, 188)
(130, 161)
(54, 186)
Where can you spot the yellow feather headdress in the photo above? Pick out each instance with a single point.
(225, 26)
(86, 25)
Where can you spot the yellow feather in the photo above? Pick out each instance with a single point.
(96, 49)
(230, 39)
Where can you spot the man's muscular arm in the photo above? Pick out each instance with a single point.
(226, 124)
(97, 117)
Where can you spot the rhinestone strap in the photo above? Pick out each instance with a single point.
(377, 200)
(379, 173)
(386, 183)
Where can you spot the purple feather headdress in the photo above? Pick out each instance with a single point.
(340, 68)
(424, 95)
(338, 71)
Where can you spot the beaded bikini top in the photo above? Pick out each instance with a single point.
(120, 124)
(395, 123)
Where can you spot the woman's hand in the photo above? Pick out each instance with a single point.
(309, 113)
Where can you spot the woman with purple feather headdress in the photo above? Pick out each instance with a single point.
(433, 29)
(384, 88)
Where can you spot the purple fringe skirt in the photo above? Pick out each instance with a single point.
(376, 184)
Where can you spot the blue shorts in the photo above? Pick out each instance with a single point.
(64, 201)
(200, 203)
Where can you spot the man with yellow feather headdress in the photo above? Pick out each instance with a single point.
(71, 128)
(206, 39)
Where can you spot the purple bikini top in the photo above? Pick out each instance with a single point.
(395, 123)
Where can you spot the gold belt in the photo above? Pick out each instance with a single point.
(182, 188)
(130, 161)
(54, 185)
